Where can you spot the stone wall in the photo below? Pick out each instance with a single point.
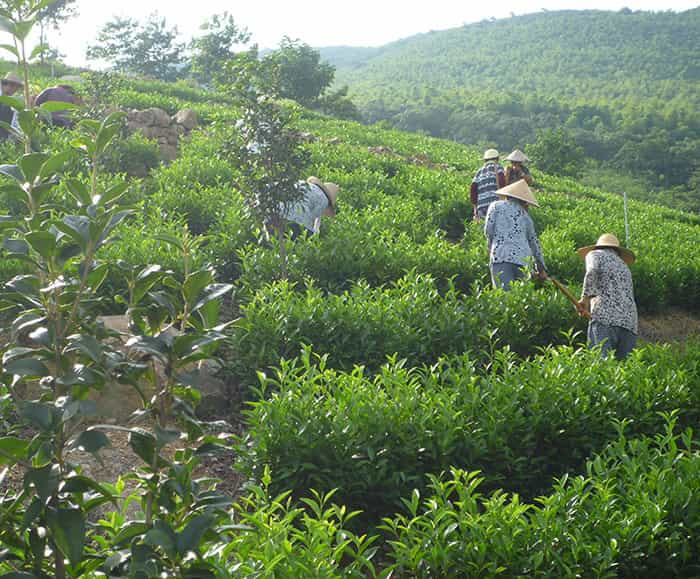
(158, 125)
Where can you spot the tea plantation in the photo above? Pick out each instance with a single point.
(399, 417)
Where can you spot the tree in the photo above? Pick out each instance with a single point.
(54, 15)
(302, 75)
(149, 49)
(216, 46)
(338, 104)
(556, 152)
(265, 145)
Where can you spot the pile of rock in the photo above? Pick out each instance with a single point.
(157, 124)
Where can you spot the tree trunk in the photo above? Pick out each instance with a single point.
(283, 249)
(41, 42)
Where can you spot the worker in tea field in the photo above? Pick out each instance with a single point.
(517, 170)
(319, 201)
(510, 235)
(64, 93)
(608, 296)
(9, 85)
(486, 182)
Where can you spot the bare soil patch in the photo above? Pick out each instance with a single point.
(670, 326)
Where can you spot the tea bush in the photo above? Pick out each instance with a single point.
(353, 249)
(134, 155)
(375, 438)
(410, 317)
(633, 514)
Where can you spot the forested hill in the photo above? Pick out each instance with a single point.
(623, 85)
(570, 45)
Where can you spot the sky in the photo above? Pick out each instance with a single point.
(318, 22)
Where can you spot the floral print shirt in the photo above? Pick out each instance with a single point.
(608, 282)
(307, 212)
(511, 236)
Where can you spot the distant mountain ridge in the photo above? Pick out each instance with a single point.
(660, 45)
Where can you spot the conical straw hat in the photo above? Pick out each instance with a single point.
(490, 154)
(608, 240)
(517, 156)
(519, 190)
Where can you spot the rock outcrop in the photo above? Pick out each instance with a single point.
(158, 125)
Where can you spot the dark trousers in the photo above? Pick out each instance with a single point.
(503, 274)
(293, 229)
(613, 339)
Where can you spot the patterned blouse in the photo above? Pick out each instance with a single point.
(308, 211)
(486, 180)
(513, 175)
(511, 236)
(608, 281)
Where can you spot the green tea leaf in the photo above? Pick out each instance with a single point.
(68, 532)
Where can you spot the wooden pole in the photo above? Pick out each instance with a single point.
(627, 223)
(567, 292)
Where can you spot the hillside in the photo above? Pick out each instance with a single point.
(394, 413)
(624, 85)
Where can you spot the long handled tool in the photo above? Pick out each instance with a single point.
(567, 292)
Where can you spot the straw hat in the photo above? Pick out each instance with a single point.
(517, 156)
(330, 189)
(490, 154)
(12, 78)
(605, 241)
(519, 190)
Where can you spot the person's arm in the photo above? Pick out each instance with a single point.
(490, 225)
(474, 193)
(526, 175)
(590, 287)
(501, 179)
(535, 247)
(583, 307)
(474, 198)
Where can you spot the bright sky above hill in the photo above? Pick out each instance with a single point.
(320, 22)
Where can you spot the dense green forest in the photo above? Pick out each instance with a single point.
(621, 86)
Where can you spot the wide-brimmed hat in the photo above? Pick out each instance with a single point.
(608, 241)
(519, 190)
(330, 189)
(12, 78)
(517, 156)
(490, 154)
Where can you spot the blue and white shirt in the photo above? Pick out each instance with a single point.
(486, 180)
(510, 233)
(307, 211)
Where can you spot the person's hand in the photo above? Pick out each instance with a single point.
(582, 308)
(542, 275)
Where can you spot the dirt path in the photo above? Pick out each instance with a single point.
(669, 326)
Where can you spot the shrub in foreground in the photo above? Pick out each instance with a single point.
(635, 513)
(375, 438)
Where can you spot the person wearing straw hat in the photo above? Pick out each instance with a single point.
(608, 296)
(510, 235)
(9, 85)
(487, 180)
(319, 201)
(517, 170)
